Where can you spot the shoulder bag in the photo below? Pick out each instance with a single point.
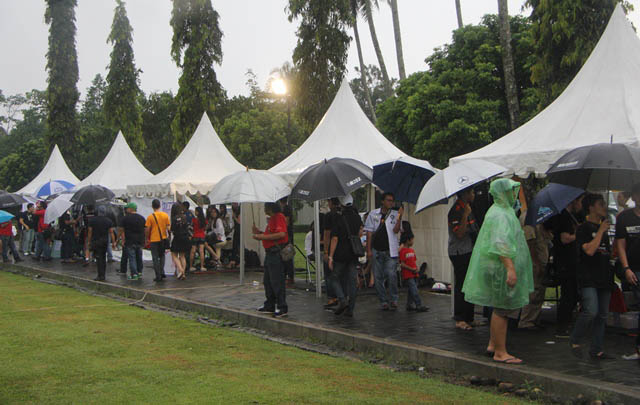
(165, 241)
(354, 240)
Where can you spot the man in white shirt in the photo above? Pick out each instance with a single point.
(383, 227)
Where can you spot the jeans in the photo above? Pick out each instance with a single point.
(568, 302)
(157, 255)
(288, 269)
(328, 276)
(463, 311)
(109, 250)
(384, 269)
(413, 297)
(26, 243)
(66, 250)
(133, 254)
(595, 308)
(7, 244)
(274, 288)
(636, 293)
(344, 278)
(42, 247)
(124, 261)
(100, 253)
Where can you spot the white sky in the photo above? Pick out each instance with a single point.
(257, 36)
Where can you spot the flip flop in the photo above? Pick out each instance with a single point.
(465, 328)
(489, 353)
(511, 361)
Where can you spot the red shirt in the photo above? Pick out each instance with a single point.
(41, 225)
(277, 224)
(198, 231)
(6, 229)
(408, 257)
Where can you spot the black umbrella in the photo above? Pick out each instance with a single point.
(335, 177)
(92, 195)
(8, 200)
(603, 166)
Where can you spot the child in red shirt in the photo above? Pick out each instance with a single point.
(410, 273)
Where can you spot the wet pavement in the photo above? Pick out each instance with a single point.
(434, 328)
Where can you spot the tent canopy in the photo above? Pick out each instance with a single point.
(344, 131)
(55, 169)
(602, 101)
(118, 169)
(201, 164)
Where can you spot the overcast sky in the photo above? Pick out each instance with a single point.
(257, 36)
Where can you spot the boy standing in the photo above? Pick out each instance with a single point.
(410, 273)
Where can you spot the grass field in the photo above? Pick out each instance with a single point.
(59, 345)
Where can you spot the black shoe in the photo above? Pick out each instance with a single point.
(422, 309)
(6, 261)
(18, 260)
(158, 279)
(341, 308)
(47, 259)
(280, 313)
(35, 259)
(563, 334)
(99, 279)
(164, 276)
(265, 310)
(409, 309)
(393, 306)
(602, 356)
(348, 313)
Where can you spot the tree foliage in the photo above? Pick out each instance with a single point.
(564, 33)
(320, 55)
(458, 104)
(158, 112)
(196, 47)
(122, 92)
(375, 84)
(62, 65)
(20, 166)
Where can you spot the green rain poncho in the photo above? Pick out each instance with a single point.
(501, 235)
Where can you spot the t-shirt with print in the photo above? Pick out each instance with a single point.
(408, 257)
(628, 228)
(594, 271)
(162, 220)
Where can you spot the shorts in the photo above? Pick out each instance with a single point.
(197, 241)
(507, 313)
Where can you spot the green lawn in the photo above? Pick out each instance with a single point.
(59, 345)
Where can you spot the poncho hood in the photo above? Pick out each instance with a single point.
(504, 192)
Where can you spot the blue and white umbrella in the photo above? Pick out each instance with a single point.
(5, 216)
(550, 201)
(53, 187)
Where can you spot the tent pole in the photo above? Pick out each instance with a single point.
(241, 243)
(318, 251)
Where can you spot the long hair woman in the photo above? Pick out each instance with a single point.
(199, 224)
(180, 229)
(215, 234)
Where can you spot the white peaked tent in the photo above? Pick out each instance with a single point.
(55, 169)
(603, 100)
(118, 169)
(201, 164)
(346, 132)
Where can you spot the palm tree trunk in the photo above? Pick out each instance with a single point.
(459, 13)
(363, 69)
(376, 46)
(398, 37)
(510, 85)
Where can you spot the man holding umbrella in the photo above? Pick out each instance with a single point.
(383, 227)
(100, 229)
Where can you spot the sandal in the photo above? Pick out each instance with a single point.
(464, 326)
(511, 360)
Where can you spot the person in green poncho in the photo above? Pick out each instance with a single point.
(500, 273)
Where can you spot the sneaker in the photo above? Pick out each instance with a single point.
(341, 308)
(394, 306)
(422, 309)
(265, 310)
(348, 313)
(280, 313)
(385, 307)
(563, 334)
(409, 309)
(17, 260)
(634, 356)
(132, 277)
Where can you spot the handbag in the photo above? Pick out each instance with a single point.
(165, 241)
(287, 252)
(354, 241)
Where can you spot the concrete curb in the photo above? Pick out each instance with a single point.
(433, 359)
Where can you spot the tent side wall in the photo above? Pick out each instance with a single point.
(431, 240)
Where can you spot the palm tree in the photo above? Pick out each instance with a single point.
(366, 6)
(459, 13)
(398, 36)
(363, 71)
(510, 85)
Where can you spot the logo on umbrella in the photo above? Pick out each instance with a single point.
(304, 192)
(544, 212)
(568, 164)
(354, 181)
(463, 180)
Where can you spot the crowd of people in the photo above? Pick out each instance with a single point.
(499, 262)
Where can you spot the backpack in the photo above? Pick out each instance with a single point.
(181, 228)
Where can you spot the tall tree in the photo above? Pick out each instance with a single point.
(376, 88)
(62, 65)
(158, 112)
(196, 47)
(121, 96)
(97, 135)
(363, 68)
(367, 6)
(459, 14)
(398, 37)
(510, 85)
(565, 32)
(320, 55)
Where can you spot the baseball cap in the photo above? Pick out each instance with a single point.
(132, 205)
(346, 200)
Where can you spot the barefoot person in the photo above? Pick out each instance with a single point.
(500, 271)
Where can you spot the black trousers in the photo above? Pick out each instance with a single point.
(568, 301)
(288, 269)
(274, 286)
(157, 255)
(100, 253)
(462, 310)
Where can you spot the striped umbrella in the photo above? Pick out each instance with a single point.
(53, 187)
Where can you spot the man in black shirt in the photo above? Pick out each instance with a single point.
(100, 231)
(29, 222)
(594, 276)
(565, 259)
(628, 248)
(342, 260)
(132, 234)
(325, 230)
(288, 214)
(67, 236)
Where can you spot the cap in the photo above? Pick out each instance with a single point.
(346, 200)
(132, 205)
